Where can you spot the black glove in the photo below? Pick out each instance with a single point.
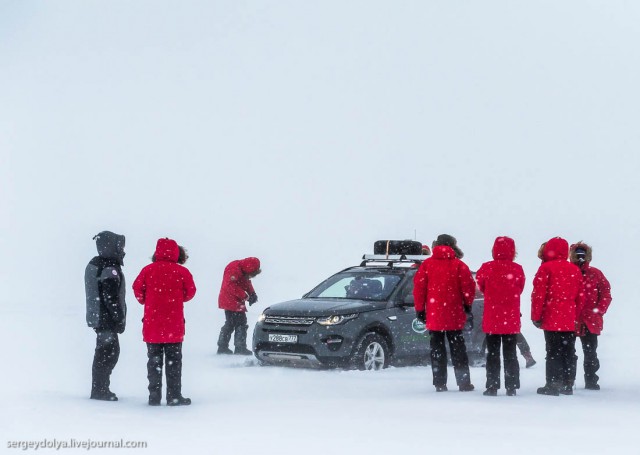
(538, 324)
(467, 308)
(253, 298)
(421, 316)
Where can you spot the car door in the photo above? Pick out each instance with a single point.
(410, 335)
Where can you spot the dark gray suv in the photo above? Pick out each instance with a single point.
(362, 317)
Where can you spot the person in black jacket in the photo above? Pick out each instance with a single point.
(106, 309)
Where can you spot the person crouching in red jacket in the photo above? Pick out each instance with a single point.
(236, 291)
(597, 298)
(443, 291)
(556, 305)
(502, 282)
(162, 287)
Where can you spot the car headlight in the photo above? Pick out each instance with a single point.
(336, 319)
(262, 317)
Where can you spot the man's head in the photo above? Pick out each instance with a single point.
(110, 246)
(580, 253)
(450, 241)
(250, 267)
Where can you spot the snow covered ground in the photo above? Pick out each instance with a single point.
(241, 408)
(301, 132)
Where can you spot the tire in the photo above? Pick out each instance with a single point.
(372, 353)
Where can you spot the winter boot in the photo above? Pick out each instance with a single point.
(566, 389)
(174, 376)
(240, 340)
(100, 387)
(511, 392)
(225, 336)
(490, 392)
(592, 386)
(155, 398)
(103, 395)
(441, 388)
(548, 390)
(529, 359)
(466, 388)
(178, 401)
(155, 362)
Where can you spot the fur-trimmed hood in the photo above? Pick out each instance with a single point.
(572, 252)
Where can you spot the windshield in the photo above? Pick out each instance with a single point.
(358, 285)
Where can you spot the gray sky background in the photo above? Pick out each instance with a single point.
(301, 132)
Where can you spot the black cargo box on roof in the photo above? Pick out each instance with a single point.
(411, 247)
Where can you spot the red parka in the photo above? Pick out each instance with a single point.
(163, 287)
(597, 292)
(236, 285)
(556, 300)
(442, 286)
(502, 282)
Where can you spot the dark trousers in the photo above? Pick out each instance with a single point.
(104, 359)
(523, 346)
(511, 366)
(591, 363)
(236, 321)
(459, 357)
(157, 353)
(561, 352)
(521, 342)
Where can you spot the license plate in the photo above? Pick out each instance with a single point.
(277, 338)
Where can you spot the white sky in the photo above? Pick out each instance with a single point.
(301, 132)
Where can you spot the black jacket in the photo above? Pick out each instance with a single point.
(105, 284)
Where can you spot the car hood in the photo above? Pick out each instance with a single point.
(322, 307)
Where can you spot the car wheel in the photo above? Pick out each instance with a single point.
(372, 353)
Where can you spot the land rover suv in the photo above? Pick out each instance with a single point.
(362, 317)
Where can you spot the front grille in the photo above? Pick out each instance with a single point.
(288, 348)
(289, 320)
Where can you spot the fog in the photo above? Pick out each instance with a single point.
(301, 132)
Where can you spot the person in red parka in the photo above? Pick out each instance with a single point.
(597, 298)
(502, 282)
(162, 287)
(236, 291)
(556, 304)
(443, 293)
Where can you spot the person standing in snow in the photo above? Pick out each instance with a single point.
(443, 294)
(162, 287)
(106, 309)
(556, 306)
(502, 282)
(236, 291)
(597, 298)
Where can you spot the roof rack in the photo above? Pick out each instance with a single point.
(392, 259)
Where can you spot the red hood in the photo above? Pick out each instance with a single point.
(443, 252)
(167, 250)
(249, 265)
(504, 248)
(556, 248)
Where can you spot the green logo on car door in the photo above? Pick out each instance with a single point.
(418, 326)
